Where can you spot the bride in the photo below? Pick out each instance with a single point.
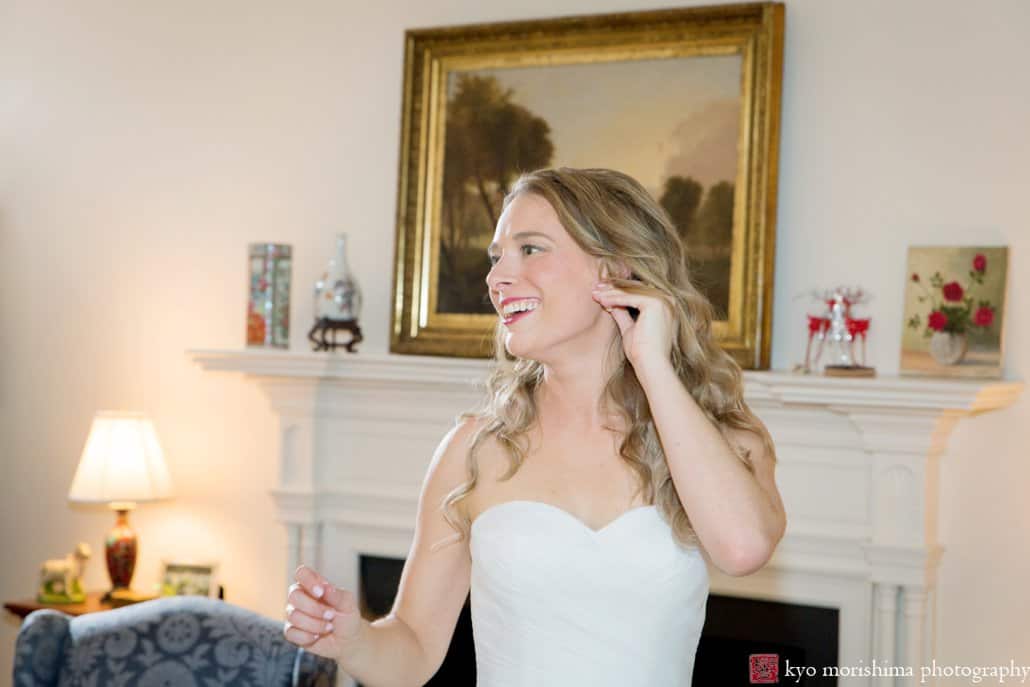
(614, 446)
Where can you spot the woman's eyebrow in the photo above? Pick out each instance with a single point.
(520, 235)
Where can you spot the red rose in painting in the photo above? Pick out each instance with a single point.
(952, 291)
(951, 305)
(936, 320)
(984, 316)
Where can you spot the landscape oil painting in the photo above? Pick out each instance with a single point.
(686, 101)
(676, 121)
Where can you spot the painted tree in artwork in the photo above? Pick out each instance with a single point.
(705, 223)
(490, 139)
(715, 221)
(681, 198)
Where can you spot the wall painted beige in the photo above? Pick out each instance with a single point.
(142, 148)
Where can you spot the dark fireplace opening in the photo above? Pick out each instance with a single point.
(736, 630)
(380, 579)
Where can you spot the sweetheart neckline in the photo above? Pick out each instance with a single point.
(562, 511)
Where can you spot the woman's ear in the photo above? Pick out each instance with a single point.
(621, 271)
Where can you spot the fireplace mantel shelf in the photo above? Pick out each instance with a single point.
(858, 467)
(971, 396)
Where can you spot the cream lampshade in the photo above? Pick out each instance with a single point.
(121, 465)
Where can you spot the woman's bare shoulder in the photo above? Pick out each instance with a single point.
(466, 428)
(453, 450)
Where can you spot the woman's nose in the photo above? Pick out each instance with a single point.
(500, 274)
(495, 285)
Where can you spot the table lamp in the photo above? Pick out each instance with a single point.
(121, 465)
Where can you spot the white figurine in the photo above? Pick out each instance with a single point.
(60, 579)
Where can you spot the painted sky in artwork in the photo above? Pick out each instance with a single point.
(648, 118)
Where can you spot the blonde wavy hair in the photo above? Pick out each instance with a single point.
(612, 217)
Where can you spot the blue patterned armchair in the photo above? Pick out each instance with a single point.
(168, 642)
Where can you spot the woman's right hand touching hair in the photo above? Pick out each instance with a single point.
(320, 617)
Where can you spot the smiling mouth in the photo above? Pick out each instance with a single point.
(517, 316)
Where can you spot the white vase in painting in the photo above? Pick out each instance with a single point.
(948, 348)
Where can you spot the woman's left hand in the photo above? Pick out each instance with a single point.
(648, 339)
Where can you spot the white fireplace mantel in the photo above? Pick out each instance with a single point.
(858, 469)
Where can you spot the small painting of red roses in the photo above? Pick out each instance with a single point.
(954, 311)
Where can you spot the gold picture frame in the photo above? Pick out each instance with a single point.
(474, 80)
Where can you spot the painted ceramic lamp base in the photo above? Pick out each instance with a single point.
(120, 547)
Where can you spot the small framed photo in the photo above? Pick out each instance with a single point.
(180, 578)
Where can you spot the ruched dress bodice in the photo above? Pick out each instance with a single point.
(555, 602)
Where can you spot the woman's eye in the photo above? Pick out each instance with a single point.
(494, 258)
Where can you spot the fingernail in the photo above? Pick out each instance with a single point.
(318, 591)
(328, 615)
(328, 627)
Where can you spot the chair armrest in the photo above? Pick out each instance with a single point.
(39, 648)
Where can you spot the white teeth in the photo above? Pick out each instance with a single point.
(520, 306)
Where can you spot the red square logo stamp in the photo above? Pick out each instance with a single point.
(764, 668)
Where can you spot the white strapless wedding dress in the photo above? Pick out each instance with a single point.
(555, 602)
